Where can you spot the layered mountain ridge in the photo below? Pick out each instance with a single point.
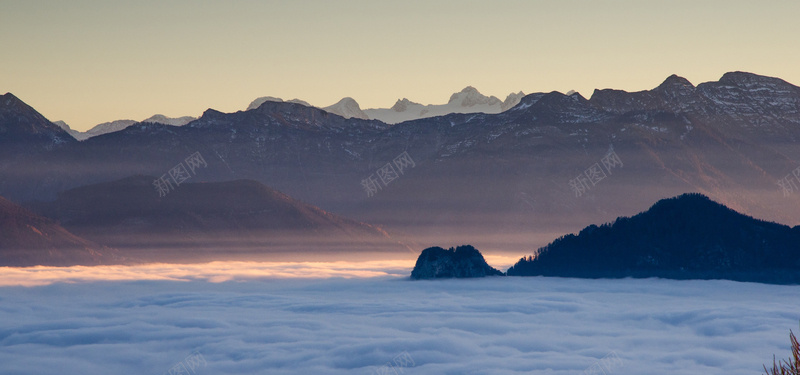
(22, 127)
(27, 239)
(468, 100)
(207, 221)
(502, 173)
(117, 125)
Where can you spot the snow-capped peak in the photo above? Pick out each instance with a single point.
(259, 101)
(174, 121)
(468, 100)
(402, 104)
(62, 125)
(511, 100)
(470, 96)
(347, 108)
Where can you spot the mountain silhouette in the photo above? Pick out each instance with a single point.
(27, 239)
(686, 237)
(215, 217)
(730, 139)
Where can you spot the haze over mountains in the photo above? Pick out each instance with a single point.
(512, 180)
(259, 101)
(28, 239)
(117, 125)
(244, 217)
(468, 100)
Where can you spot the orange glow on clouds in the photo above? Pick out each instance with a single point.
(213, 272)
(217, 272)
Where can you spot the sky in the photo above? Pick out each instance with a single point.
(87, 62)
(392, 325)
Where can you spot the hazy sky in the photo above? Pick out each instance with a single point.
(87, 62)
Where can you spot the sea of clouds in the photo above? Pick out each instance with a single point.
(387, 324)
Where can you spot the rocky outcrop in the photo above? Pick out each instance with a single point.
(461, 262)
(24, 130)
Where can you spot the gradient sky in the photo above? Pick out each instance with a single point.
(87, 62)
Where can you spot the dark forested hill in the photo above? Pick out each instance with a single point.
(689, 236)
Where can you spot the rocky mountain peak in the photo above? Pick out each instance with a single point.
(402, 105)
(62, 125)
(174, 121)
(745, 79)
(347, 108)
(9, 100)
(750, 97)
(753, 83)
(512, 100)
(211, 113)
(20, 124)
(470, 96)
(259, 101)
(676, 82)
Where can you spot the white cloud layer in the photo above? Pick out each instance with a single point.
(354, 326)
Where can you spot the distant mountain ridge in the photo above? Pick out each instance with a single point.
(731, 140)
(468, 100)
(130, 214)
(259, 101)
(117, 125)
(347, 108)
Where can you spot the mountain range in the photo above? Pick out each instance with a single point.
(195, 220)
(468, 100)
(552, 164)
(117, 125)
